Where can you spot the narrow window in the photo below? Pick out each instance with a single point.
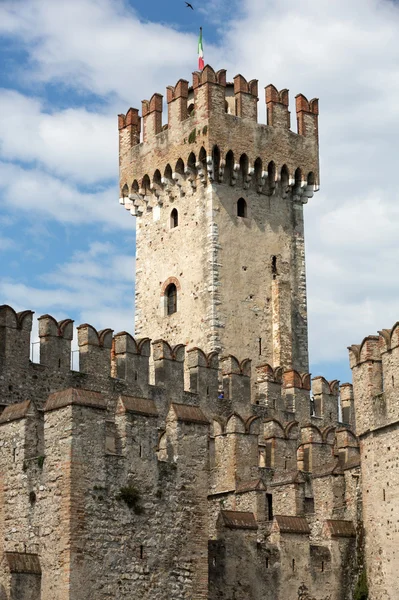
(293, 564)
(383, 495)
(322, 566)
(267, 562)
(174, 219)
(59, 363)
(260, 346)
(274, 266)
(268, 455)
(241, 208)
(306, 460)
(269, 499)
(141, 551)
(140, 451)
(346, 414)
(171, 299)
(308, 506)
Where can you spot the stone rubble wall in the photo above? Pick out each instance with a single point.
(75, 444)
(375, 368)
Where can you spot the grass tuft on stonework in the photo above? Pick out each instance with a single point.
(131, 497)
(192, 137)
(361, 589)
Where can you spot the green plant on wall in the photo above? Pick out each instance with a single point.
(131, 497)
(361, 589)
(192, 137)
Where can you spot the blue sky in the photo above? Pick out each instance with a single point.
(67, 70)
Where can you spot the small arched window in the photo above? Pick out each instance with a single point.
(241, 208)
(171, 299)
(174, 218)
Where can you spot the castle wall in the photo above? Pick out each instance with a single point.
(380, 504)
(116, 486)
(374, 365)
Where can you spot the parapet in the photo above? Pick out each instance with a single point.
(55, 342)
(141, 368)
(375, 368)
(325, 398)
(207, 121)
(15, 331)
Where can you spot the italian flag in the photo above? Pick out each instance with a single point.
(200, 52)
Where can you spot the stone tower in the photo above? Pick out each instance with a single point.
(219, 204)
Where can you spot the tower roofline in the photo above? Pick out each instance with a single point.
(212, 113)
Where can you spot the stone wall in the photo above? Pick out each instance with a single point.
(239, 273)
(117, 486)
(375, 365)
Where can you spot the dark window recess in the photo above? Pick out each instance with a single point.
(317, 406)
(346, 411)
(306, 460)
(293, 564)
(141, 551)
(268, 455)
(241, 208)
(274, 266)
(267, 562)
(308, 506)
(260, 346)
(269, 500)
(174, 219)
(171, 299)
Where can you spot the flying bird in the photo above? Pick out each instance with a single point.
(188, 5)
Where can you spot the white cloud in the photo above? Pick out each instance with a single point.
(88, 288)
(35, 192)
(72, 143)
(98, 46)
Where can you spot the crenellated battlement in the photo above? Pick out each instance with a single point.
(375, 368)
(147, 428)
(119, 361)
(212, 134)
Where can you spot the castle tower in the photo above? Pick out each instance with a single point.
(219, 204)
